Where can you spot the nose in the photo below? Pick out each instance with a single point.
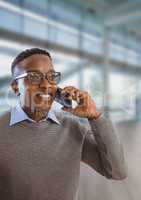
(47, 87)
(44, 83)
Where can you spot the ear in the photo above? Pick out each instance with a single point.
(14, 86)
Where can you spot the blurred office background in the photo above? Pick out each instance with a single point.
(96, 44)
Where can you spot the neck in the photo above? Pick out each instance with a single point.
(36, 114)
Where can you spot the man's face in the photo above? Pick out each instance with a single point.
(35, 96)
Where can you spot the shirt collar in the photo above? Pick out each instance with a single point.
(18, 115)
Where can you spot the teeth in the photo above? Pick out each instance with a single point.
(45, 95)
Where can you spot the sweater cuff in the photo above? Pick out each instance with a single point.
(99, 122)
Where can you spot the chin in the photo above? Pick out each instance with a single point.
(43, 99)
(44, 106)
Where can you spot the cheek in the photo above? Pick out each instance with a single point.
(26, 91)
(29, 96)
(22, 88)
(29, 92)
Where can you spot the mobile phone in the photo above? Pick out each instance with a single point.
(63, 99)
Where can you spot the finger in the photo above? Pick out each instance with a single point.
(79, 112)
(69, 94)
(70, 90)
(72, 93)
(82, 98)
(76, 95)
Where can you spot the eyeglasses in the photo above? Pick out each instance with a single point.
(36, 78)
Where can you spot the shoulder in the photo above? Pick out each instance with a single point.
(5, 118)
(65, 117)
(74, 122)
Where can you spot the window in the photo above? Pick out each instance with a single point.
(67, 38)
(10, 20)
(92, 44)
(34, 28)
(93, 84)
(16, 2)
(37, 6)
(117, 52)
(122, 96)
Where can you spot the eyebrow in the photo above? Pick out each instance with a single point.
(39, 71)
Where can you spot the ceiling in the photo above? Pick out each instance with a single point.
(115, 13)
(121, 14)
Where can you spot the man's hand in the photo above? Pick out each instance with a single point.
(86, 106)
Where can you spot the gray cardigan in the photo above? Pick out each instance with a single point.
(41, 161)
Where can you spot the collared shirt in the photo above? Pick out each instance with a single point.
(18, 115)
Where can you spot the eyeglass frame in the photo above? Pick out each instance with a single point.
(44, 76)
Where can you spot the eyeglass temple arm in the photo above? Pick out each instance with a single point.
(20, 76)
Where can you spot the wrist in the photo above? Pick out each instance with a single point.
(95, 116)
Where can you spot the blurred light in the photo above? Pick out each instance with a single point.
(37, 17)
(5, 65)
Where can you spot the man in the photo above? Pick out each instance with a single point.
(41, 150)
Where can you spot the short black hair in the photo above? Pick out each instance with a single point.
(26, 53)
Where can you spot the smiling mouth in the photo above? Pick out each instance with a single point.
(45, 96)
